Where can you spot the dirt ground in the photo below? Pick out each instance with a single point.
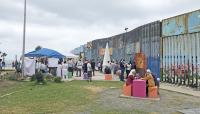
(169, 103)
(5, 84)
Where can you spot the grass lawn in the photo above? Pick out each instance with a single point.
(67, 97)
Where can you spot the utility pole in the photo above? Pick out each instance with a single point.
(24, 39)
(126, 29)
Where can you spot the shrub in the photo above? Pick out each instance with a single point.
(57, 79)
(49, 78)
(12, 77)
(40, 78)
(33, 78)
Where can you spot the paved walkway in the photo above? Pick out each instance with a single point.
(165, 86)
(190, 111)
(180, 89)
(98, 76)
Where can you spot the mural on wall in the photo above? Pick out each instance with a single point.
(174, 26)
(181, 59)
(182, 24)
(194, 21)
(102, 51)
(133, 48)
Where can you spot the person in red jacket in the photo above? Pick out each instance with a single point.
(131, 77)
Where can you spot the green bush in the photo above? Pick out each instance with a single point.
(49, 78)
(33, 78)
(40, 78)
(12, 77)
(57, 79)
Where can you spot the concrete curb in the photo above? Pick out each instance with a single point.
(186, 91)
(131, 97)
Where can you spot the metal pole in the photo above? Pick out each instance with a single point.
(24, 35)
(126, 29)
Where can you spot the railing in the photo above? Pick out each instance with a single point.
(181, 71)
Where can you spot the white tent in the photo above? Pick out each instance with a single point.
(70, 55)
(106, 57)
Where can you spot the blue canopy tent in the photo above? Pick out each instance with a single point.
(45, 52)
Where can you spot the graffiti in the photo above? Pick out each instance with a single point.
(102, 51)
(133, 48)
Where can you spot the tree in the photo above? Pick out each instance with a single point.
(4, 54)
(38, 48)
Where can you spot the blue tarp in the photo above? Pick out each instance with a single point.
(45, 52)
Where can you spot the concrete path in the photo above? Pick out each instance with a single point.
(165, 86)
(190, 111)
(180, 89)
(98, 76)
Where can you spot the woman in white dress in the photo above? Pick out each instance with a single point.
(59, 70)
(64, 70)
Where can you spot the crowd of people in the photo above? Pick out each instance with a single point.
(125, 70)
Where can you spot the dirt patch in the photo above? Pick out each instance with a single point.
(169, 103)
(94, 89)
(5, 83)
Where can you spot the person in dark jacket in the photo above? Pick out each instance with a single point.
(133, 66)
(93, 67)
(85, 67)
(122, 68)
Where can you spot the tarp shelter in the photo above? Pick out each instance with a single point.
(70, 55)
(44, 52)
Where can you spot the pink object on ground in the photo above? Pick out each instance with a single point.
(139, 88)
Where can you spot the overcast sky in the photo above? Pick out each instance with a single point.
(65, 24)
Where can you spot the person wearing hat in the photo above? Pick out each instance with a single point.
(131, 77)
(150, 80)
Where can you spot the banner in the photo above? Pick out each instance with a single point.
(29, 66)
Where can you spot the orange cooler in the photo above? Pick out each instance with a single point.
(127, 90)
(108, 76)
(153, 92)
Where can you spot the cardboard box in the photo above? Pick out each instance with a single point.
(108, 76)
(127, 90)
(153, 92)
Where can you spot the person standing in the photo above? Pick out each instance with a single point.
(0, 65)
(93, 67)
(112, 65)
(18, 69)
(133, 66)
(122, 68)
(59, 69)
(13, 64)
(64, 70)
(43, 67)
(85, 67)
(70, 67)
(79, 67)
(99, 65)
(89, 71)
(128, 69)
(3, 65)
